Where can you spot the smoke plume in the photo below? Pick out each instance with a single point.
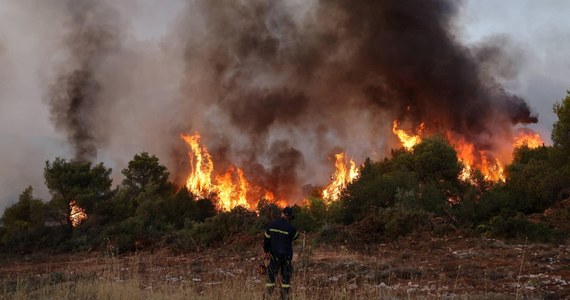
(74, 97)
(322, 75)
(273, 87)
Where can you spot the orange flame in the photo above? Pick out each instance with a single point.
(465, 156)
(231, 188)
(344, 174)
(408, 140)
(201, 167)
(269, 196)
(492, 171)
(529, 138)
(491, 168)
(232, 194)
(472, 160)
(77, 214)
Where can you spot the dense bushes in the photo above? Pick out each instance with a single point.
(218, 228)
(409, 192)
(518, 226)
(389, 223)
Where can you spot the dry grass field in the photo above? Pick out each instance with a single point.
(410, 268)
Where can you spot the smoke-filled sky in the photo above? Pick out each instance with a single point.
(274, 87)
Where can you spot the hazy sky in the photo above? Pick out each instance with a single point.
(536, 34)
(540, 31)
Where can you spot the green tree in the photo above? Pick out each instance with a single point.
(560, 154)
(435, 160)
(144, 170)
(23, 221)
(76, 181)
(181, 208)
(206, 209)
(561, 128)
(375, 187)
(535, 179)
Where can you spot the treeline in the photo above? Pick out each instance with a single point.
(410, 192)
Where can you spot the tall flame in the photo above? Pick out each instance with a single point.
(232, 194)
(408, 140)
(230, 188)
(344, 174)
(493, 171)
(201, 167)
(77, 214)
(269, 196)
(529, 138)
(465, 156)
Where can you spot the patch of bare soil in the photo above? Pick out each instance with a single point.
(453, 266)
(417, 267)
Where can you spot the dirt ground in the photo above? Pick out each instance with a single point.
(416, 267)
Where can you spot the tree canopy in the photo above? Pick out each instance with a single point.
(144, 170)
(76, 181)
(561, 128)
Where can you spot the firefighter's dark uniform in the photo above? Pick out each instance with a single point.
(279, 237)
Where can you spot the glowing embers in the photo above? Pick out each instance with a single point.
(408, 140)
(77, 214)
(529, 138)
(345, 173)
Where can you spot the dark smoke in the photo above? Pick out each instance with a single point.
(74, 97)
(421, 69)
(342, 69)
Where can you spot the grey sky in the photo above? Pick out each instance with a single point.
(30, 43)
(541, 30)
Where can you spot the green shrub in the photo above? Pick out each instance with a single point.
(127, 233)
(402, 222)
(215, 229)
(311, 216)
(518, 227)
(389, 223)
(333, 233)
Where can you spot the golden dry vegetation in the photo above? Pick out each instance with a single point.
(410, 268)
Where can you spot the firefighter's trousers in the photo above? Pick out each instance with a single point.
(279, 264)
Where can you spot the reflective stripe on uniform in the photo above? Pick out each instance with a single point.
(269, 284)
(286, 286)
(279, 231)
(267, 235)
(296, 234)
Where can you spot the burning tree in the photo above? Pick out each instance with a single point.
(76, 187)
(231, 189)
(344, 174)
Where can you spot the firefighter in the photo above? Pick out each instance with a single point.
(278, 244)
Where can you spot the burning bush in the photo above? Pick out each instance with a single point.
(425, 179)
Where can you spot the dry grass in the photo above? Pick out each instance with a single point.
(138, 288)
(384, 272)
(152, 277)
